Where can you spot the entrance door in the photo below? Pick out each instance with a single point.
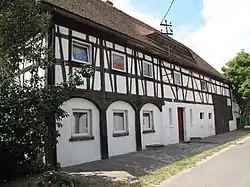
(180, 124)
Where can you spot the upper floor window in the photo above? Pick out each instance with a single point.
(81, 52)
(118, 61)
(148, 120)
(177, 78)
(147, 69)
(203, 85)
(81, 125)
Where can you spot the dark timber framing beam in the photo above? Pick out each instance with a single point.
(103, 109)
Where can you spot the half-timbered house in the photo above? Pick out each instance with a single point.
(147, 88)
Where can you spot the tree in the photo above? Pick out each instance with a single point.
(237, 71)
(28, 107)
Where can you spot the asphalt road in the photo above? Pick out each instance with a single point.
(228, 169)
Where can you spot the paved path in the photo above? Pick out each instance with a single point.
(147, 161)
(229, 169)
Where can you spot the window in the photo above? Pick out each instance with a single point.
(209, 115)
(170, 117)
(177, 78)
(120, 121)
(201, 115)
(191, 116)
(147, 69)
(81, 123)
(148, 120)
(118, 61)
(81, 52)
(203, 85)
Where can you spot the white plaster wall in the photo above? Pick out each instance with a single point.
(72, 153)
(124, 144)
(150, 88)
(198, 128)
(157, 136)
(121, 84)
(168, 92)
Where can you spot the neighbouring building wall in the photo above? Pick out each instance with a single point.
(121, 140)
(72, 150)
(194, 126)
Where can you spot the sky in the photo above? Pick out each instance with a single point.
(215, 29)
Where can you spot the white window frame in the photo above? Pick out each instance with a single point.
(179, 74)
(125, 121)
(204, 82)
(151, 64)
(89, 112)
(151, 122)
(124, 60)
(84, 45)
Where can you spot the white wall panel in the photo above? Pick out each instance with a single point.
(97, 83)
(190, 96)
(198, 128)
(168, 91)
(197, 97)
(124, 144)
(121, 84)
(119, 48)
(157, 136)
(79, 35)
(92, 39)
(185, 80)
(65, 48)
(72, 153)
(108, 86)
(63, 30)
(129, 51)
(150, 88)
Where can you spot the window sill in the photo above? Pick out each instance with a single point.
(120, 134)
(81, 138)
(148, 77)
(148, 131)
(80, 62)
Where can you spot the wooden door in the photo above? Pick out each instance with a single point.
(180, 124)
(222, 113)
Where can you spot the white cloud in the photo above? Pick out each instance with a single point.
(225, 31)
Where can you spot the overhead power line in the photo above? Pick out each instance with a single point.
(168, 11)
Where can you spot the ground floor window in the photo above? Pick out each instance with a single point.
(209, 115)
(81, 125)
(148, 120)
(120, 121)
(201, 115)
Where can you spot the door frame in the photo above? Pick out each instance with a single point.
(183, 123)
